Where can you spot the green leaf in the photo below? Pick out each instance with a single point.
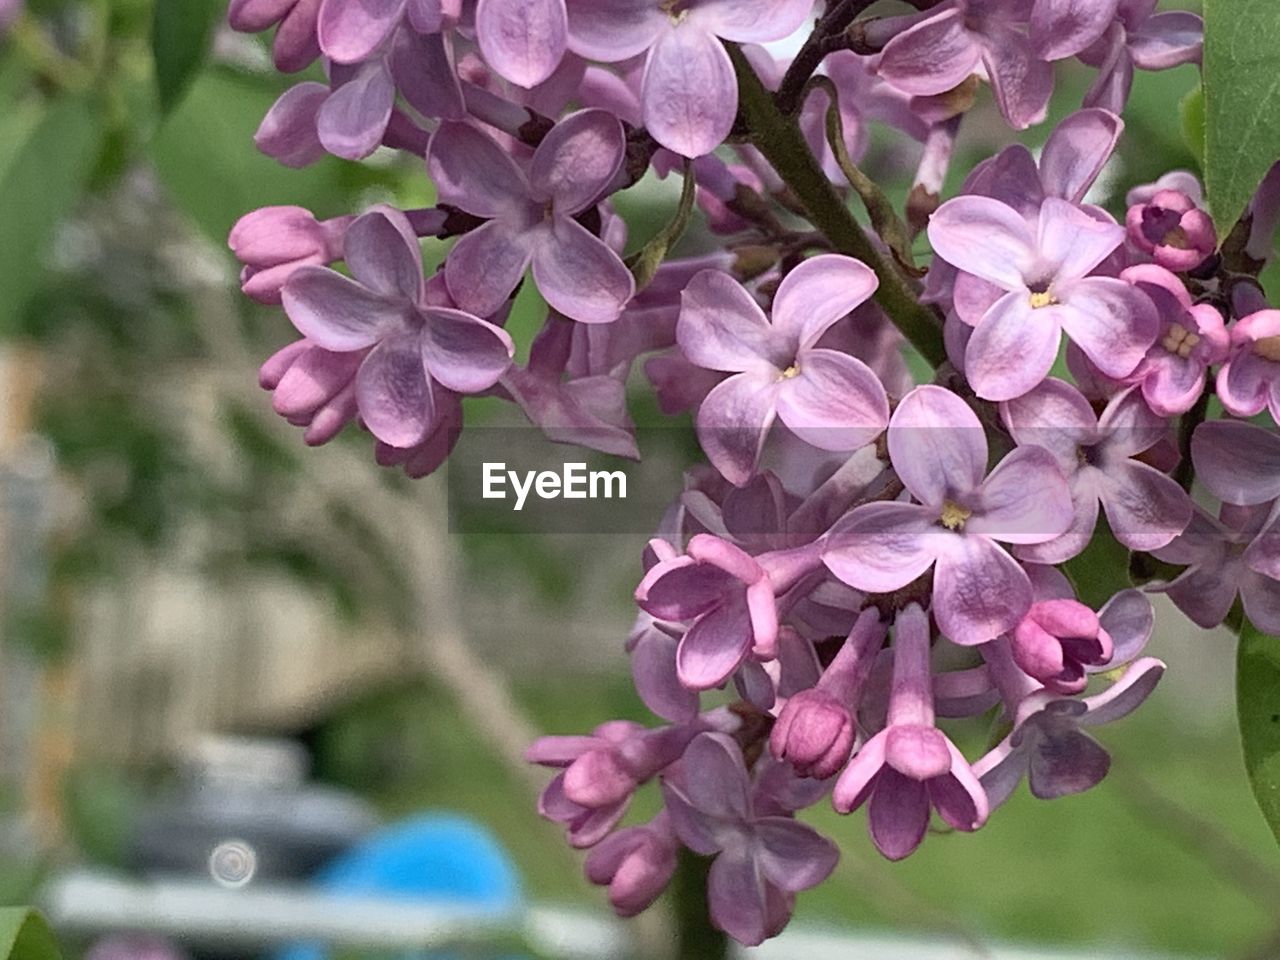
(1258, 706)
(25, 936)
(1191, 112)
(1101, 570)
(206, 158)
(40, 185)
(181, 34)
(1242, 102)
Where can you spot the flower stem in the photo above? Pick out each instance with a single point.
(696, 939)
(779, 139)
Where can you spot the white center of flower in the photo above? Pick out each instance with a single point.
(1180, 340)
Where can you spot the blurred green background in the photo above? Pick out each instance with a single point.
(176, 563)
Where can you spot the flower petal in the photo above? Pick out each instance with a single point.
(819, 292)
(931, 57)
(714, 646)
(1062, 28)
(354, 118)
(1168, 39)
(937, 445)
(1054, 415)
(1078, 149)
(880, 547)
(378, 249)
(1239, 462)
(689, 92)
(1112, 322)
(485, 265)
(719, 785)
(1012, 348)
(337, 313)
(1021, 82)
(793, 855)
(733, 423)
(393, 392)
(1026, 499)
(753, 21)
(1072, 240)
(462, 352)
(736, 897)
(979, 591)
(721, 327)
(899, 814)
(834, 403)
(576, 161)
(1145, 508)
(287, 133)
(523, 40)
(473, 173)
(349, 31)
(579, 274)
(985, 237)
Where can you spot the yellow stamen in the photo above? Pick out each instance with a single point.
(953, 515)
(1268, 348)
(1042, 298)
(789, 373)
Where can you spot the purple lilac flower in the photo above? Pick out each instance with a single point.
(761, 861)
(381, 309)
(1249, 380)
(959, 37)
(1192, 336)
(689, 92)
(350, 31)
(273, 242)
(828, 398)
(531, 214)
(1145, 508)
(1046, 276)
(727, 596)
(815, 729)
(1235, 555)
(1049, 745)
(1238, 462)
(635, 863)
(1172, 229)
(910, 766)
(600, 773)
(939, 452)
(295, 46)
(1140, 37)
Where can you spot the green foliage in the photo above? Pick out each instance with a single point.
(1101, 570)
(181, 33)
(25, 936)
(1258, 705)
(41, 184)
(1191, 112)
(1242, 102)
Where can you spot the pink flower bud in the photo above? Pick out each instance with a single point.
(814, 733)
(636, 864)
(1056, 640)
(1172, 229)
(275, 241)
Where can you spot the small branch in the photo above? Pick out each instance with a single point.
(780, 141)
(645, 262)
(827, 37)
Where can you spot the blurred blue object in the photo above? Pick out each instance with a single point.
(442, 859)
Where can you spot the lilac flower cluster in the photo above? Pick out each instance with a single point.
(861, 558)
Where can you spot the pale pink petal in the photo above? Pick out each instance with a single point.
(354, 118)
(881, 547)
(614, 30)
(462, 352)
(721, 327)
(393, 392)
(985, 237)
(337, 313)
(835, 402)
(937, 445)
(1013, 348)
(690, 92)
(1072, 240)
(351, 30)
(753, 21)
(979, 591)
(1112, 322)
(931, 57)
(734, 421)
(576, 161)
(819, 292)
(523, 40)
(485, 266)
(1022, 83)
(578, 274)
(1025, 499)
(1168, 39)
(472, 172)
